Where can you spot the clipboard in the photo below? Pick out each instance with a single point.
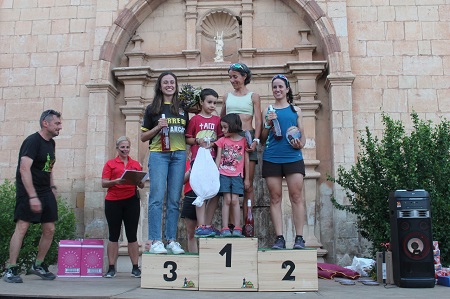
(134, 177)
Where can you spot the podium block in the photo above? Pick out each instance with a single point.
(168, 271)
(287, 270)
(228, 264)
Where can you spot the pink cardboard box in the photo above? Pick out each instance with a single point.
(69, 258)
(91, 258)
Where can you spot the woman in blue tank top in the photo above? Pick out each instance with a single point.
(283, 158)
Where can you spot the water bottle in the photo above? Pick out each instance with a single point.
(276, 126)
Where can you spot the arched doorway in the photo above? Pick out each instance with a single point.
(151, 36)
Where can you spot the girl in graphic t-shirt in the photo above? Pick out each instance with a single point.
(233, 163)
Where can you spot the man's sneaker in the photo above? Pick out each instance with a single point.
(299, 243)
(237, 232)
(12, 275)
(157, 247)
(280, 243)
(225, 232)
(136, 272)
(110, 274)
(204, 231)
(42, 272)
(175, 247)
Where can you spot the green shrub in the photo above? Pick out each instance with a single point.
(65, 229)
(420, 160)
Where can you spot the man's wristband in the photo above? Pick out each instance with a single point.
(267, 126)
(256, 140)
(54, 187)
(33, 197)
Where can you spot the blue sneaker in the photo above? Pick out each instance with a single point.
(280, 243)
(237, 232)
(225, 232)
(204, 231)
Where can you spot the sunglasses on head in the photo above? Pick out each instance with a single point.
(282, 77)
(237, 66)
(49, 112)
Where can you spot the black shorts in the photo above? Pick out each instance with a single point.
(253, 156)
(188, 210)
(270, 169)
(49, 209)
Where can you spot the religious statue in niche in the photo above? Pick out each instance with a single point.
(219, 47)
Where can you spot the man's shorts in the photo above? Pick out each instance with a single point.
(188, 210)
(231, 184)
(282, 169)
(49, 209)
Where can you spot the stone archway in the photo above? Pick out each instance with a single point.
(104, 89)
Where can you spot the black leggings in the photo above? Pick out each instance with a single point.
(126, 210)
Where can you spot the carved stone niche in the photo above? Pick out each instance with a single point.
(219, 23)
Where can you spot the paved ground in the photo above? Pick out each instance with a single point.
(124, 286)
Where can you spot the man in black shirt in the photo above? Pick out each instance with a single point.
(35, 195)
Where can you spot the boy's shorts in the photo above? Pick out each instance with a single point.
(231, 184)
(188, 210)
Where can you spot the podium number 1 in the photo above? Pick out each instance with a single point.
(226, 250)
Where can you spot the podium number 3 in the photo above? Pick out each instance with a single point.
(226, 250)
(173, 266)
(291, 266)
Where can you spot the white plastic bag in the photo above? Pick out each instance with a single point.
(205, 178)
(362, 265)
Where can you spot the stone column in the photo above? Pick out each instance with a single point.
(100, 141)
(247, 51)
(191, 53)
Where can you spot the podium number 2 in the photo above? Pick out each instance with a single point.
(291, 266)
(173, 266)
(226, 250)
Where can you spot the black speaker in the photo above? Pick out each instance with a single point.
(411, 238)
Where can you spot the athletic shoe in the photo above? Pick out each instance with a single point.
(12, 275)
(42, 272)
(204, 231)
(110, 274)
(237, 232)
(136, 272)
(215, 230)
(225, 232)
(158, 247)
(280, 243)
(175, 247)
(299, 243)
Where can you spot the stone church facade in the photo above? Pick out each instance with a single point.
(97, 61)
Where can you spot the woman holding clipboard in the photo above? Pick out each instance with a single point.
(121, 204)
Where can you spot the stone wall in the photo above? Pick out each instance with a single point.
(382, 56)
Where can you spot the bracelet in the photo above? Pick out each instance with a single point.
(53, 187)
(33, 197)
(256, 140)
(266, 126)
